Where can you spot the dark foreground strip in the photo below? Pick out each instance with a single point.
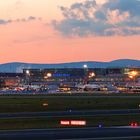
(71, 133)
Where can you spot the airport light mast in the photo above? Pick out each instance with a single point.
(28, 76)
(85, 66)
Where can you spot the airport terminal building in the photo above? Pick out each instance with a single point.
(69, 77)
(118, 76)
(11, 79)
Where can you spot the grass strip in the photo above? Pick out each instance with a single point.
(30, 123)
(56, 103)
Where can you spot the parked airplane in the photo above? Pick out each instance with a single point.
(89, 87)
(135, 87)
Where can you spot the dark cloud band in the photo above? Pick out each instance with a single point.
(115, 17)
(30, 18)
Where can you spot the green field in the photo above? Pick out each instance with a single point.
(34, 103)
(44, 122)
(19, 103)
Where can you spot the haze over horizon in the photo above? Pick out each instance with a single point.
(72, 61)
(45, 31)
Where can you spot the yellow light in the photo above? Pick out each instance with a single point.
(130, 76)
(134, 73)
(45, 104)
(49, 75)
(92, 74)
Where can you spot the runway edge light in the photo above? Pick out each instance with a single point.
(134, 124)
(100, 125)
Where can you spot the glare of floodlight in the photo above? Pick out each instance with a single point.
(134, 73)
(27, 72)
(49, 75)
(92, 74)
(85, 66)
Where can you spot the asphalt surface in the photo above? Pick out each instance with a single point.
(72, 133)
(69, 113)
(43, 96)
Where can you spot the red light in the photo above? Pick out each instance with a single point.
(73, 122)
(77, 122)
(62, 122)
(134, 124)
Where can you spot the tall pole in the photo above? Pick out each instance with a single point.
(28, 76)
(85, 73)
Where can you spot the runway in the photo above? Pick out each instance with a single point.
(70, 96)
(72, 133)
(69, 113)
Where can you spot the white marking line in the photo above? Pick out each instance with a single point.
(106, 138)
(56, 129)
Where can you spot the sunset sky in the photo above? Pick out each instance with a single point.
(55, 31)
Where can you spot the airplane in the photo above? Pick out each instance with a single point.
(134, 87)
(89, 87)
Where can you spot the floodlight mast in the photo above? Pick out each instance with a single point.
(85, 66)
